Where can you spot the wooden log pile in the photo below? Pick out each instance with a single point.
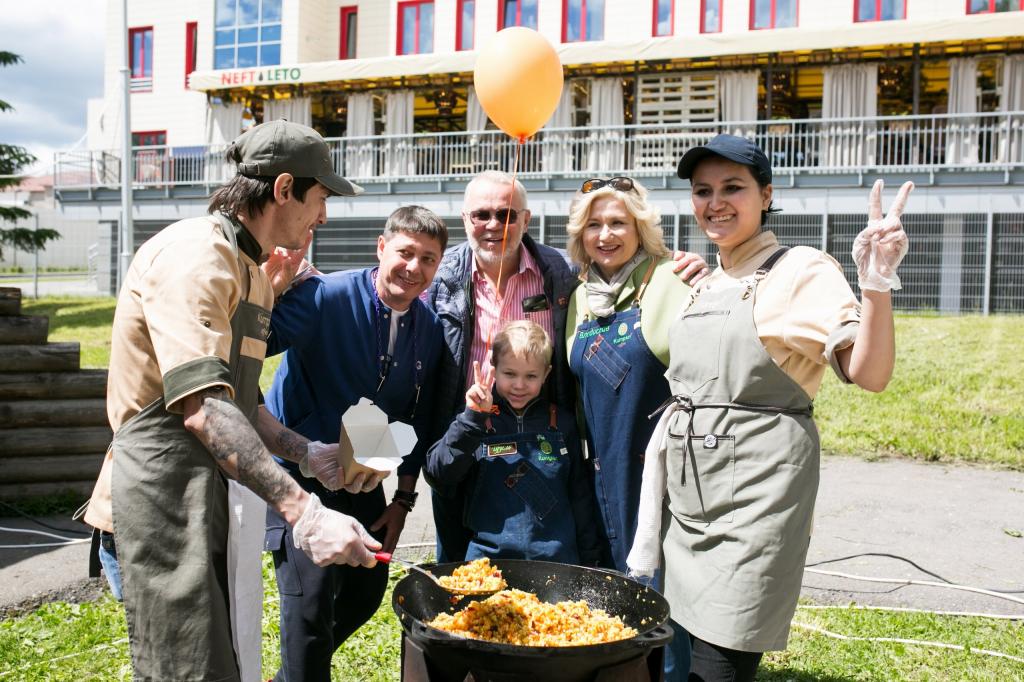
(53, 420)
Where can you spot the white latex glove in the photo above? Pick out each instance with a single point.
(321, 462)
(329, 537)
(879, 248)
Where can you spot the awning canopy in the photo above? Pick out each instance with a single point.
(708, 45)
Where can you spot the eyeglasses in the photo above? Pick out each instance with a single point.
(620, 183)
(502, 215)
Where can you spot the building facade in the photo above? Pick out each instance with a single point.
(838, 92)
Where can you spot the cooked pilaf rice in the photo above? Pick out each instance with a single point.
(520, 618)
(476, 576)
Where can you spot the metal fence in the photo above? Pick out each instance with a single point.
(958, 262)
(990, 141)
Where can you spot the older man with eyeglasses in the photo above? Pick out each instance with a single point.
(483, 284)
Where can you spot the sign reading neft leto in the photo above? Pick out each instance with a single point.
(273, 74)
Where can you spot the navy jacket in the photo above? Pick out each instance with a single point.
(529, 494)
(328, 327)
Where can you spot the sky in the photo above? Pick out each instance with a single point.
(61, 42)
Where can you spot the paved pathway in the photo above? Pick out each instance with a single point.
(950, 521)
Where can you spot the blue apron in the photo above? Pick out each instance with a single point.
(519, 506)
(621, 383)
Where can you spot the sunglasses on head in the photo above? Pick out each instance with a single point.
(502, 215)
(620, 183)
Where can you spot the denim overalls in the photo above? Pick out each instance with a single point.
(519, 504)
(621, 382)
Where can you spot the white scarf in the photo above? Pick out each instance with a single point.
(602, 295)
(645, 555)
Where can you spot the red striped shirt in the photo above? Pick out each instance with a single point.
(492, 315)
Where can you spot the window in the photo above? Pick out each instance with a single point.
(517, 13)
(989, 6)
(191, 47)
(464, 23)
(248, 33)
(416, 27)
(772, 13)
(140, 59)
(710, 16)
(349, 23)
(664, 17)
(880, 10)
(582, 20)
(149, 138)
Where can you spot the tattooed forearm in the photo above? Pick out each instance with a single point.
(233, 442)
(281, 440)
(289, 444)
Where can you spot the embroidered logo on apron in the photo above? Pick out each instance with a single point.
(502, 449)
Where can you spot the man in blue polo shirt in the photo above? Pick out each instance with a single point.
(346, 336)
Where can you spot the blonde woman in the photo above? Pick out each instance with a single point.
(617, 340)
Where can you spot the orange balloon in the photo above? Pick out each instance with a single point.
(518, 80)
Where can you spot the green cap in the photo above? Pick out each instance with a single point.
(276, 147)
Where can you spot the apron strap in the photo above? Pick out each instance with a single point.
(771, 261)
(642, 289)
(228, 227)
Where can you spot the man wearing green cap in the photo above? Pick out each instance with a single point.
(188, 343)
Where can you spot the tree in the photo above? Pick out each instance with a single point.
(12, 159)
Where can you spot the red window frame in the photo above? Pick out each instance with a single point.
(458, 26)
(345, 15)
(671, 19)
(519, 14)
(878, 12)
(416, 42)
(132, 32)
(991, 8)
(704, 13)
(583, 21)
(144, 138)
(753, 4)
(191, 45)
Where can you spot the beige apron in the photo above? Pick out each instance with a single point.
(742, 468)
(172, 521)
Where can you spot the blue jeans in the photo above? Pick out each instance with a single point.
(108, 559)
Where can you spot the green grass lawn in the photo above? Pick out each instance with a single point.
(72, 642)
(957, 394)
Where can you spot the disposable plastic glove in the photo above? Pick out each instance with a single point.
(879, 248)
(328, 537)
(321, 462)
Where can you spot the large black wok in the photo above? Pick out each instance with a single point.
(417, 599)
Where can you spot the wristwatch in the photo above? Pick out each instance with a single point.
(405, 498)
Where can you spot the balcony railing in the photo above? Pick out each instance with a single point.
(984, 141)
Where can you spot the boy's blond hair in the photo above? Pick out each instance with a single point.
(524, 339)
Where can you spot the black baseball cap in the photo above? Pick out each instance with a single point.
(738, 149)
(276, 147)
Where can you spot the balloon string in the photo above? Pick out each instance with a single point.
(504, 241)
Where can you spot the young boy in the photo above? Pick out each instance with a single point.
(529, 496)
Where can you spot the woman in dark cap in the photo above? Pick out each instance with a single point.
(736, 448)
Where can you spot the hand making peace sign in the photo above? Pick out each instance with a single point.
(880, 246)
(478, 397)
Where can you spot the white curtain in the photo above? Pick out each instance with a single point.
(850, 91)
(557, 150)
(223, 124)
(399, 159)
(962, 132)
(359, 124)
(605, 147)
(1011, 142)
(737, 100)
(294, 109)
(476, 117)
